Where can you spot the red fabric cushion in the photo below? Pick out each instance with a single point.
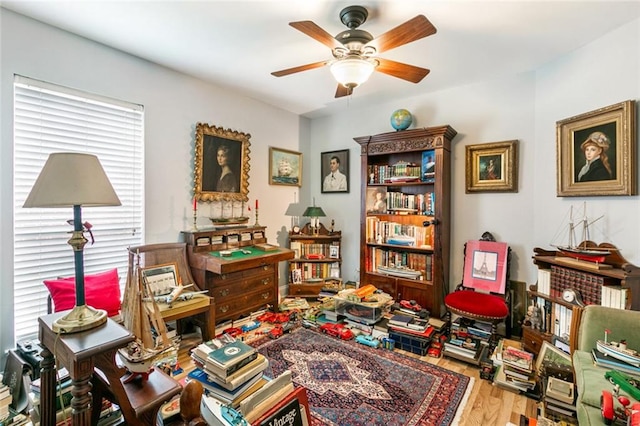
(101, 291)
(477, 304)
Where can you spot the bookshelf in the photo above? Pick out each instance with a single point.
(317, 260)
(614, 284)
(405, 211)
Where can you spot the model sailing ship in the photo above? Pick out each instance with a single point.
(586, 249)
(230, 221)
(618, 350)
(140, 313)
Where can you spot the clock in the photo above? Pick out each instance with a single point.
(295, 229)
(572, 296)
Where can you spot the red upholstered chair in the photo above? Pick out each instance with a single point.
(483, 294)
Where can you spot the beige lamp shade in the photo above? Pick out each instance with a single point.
(72, 179)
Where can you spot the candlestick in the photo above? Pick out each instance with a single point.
(195, 214)
(256, 204)
(256, 224)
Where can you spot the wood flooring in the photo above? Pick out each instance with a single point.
(487, 404)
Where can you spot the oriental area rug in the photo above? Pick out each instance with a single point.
(349, 384)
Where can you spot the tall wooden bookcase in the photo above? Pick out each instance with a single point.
(411, 232)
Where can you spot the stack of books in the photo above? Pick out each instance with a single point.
(612, 363)
(467, 341)
(229, 369)
(559, 397)
(516, 372)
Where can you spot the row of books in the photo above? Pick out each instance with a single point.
(554, 317)
(302, 271)
(303, 249)
(383, 231)
(415, 261)
(382, 173)
(422, 204)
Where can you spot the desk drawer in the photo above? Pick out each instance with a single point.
(532, 339)
(240, 286)
(238, 275)
(234, 307)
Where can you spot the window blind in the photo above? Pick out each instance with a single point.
(49, 118)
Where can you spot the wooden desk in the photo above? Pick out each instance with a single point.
(77, 352)
(240, 284)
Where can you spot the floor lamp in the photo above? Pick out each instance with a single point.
(71, 179)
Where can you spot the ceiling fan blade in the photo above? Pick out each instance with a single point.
(404, 71)
(300, 68)
(412, 30)
(343, 91)
(314, 31)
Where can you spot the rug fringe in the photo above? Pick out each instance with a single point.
(463, 403)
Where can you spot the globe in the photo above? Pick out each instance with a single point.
(401, 119)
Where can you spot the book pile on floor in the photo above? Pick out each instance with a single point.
(468, 340)
(228, 369)
(559, 399)
(516, 370)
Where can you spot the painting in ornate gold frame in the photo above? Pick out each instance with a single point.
(492, 167)
(221, 166)
(596, 152)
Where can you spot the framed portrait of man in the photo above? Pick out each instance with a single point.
(335, 171)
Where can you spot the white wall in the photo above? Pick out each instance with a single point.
(523, 107)
(173, 102)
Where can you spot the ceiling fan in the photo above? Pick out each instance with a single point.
(354, 50)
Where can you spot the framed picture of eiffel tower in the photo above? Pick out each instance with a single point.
(485, 265)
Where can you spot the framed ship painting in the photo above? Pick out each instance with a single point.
(285, 167)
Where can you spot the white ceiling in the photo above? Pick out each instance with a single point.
(238, 43)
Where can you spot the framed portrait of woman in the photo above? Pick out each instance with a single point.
(597, 152)
(221, 166)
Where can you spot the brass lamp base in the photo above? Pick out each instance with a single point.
(79, 319)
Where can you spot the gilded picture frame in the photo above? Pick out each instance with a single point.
(492, 167)
(285, 167)
(608, 136)
(221, 165)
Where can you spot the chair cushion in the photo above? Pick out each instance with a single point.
(477, 304)
(102, 291)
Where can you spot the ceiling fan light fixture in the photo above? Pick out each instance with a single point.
(352, 72)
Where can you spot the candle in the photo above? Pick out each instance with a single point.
(256, 203)
(195, 203)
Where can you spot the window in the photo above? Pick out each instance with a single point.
(50, 118)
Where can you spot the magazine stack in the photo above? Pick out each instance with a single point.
(468, 340)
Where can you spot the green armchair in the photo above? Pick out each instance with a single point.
(590, 380)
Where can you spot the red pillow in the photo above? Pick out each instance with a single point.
(101, 291)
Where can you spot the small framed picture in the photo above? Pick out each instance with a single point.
(428, 169)
(161, 279)
(492, 167)
(285, 167)
(296, 276)
(334, 252)
(376, 199)
(335, 171)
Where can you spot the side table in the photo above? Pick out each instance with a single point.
(77, 352)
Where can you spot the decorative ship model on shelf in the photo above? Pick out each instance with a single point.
(618, 350)
(140, 313)
(586, 250)
(231, 221)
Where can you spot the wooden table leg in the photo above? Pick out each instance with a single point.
(47, 385)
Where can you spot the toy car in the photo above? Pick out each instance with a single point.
(627, 384)
(276, 332)
(337, 330)
(232, 331)
(434, 351)
(610, 414)
(411, 306)
(368, 340)
(250, 326)
(266, 317)
(309, 324)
